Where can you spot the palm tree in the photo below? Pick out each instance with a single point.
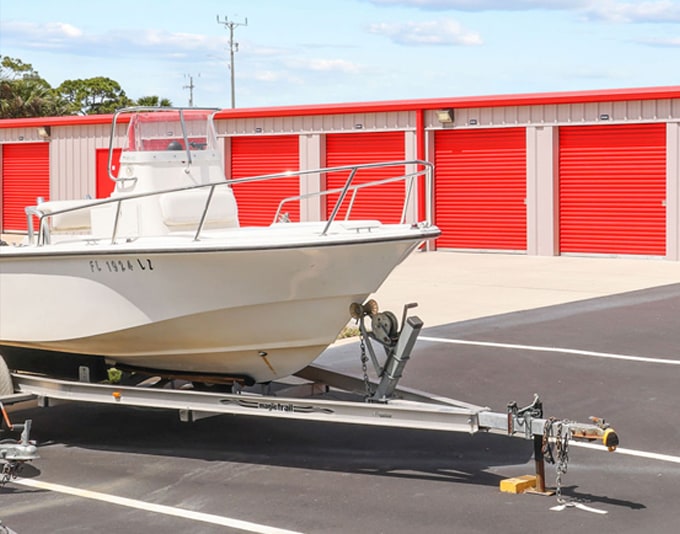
(154, 101)
(29, 98)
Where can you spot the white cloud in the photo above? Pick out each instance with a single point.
(483, 5)
(52, 35)
(434, 33)
(663, 11)
(268, 76)
(66, 38)
(65, 30)
(671, 42)
(608, 10)
(324, 65)
(333, 65)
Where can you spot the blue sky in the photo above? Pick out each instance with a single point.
(325, 51)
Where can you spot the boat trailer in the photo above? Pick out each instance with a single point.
(312, 395)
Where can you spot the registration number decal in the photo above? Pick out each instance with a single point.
(121, 266)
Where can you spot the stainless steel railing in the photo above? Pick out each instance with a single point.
(421, 170)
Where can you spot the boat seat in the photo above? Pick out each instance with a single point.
(182, 209)
(69, 221)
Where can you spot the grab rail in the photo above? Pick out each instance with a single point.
(426, 170)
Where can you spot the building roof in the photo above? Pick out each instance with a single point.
(524, 99)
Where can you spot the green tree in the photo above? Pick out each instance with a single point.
(13, 69)
(93, 96)
(23, 93)
(153, 100)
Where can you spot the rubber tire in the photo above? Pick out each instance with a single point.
(6, 386)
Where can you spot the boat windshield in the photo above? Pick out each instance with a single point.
(170, 129)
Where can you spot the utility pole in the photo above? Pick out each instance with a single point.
(233, 47)
(191, 89)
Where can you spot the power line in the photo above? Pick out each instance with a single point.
(233, 47)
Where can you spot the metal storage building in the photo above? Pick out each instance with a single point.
(590, 172)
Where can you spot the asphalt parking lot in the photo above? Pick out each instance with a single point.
(611, 355)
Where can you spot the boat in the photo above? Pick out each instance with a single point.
(161, 277)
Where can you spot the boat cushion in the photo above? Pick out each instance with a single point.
(69, 221)
(184, 208)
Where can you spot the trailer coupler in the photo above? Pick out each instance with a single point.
(551, 439)
(530, 421)
(598, 430)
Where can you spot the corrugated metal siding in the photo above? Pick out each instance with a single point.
(384, 202)
(402, 120)
(480, 189)
(25, 177)
(74, 163)
(612, 189)
(254, 156)
(605, 112)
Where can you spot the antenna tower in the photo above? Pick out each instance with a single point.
(233, 47)
(191, 89)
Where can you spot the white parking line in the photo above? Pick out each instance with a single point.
(157, 508)
(629, 452)
(625, 357)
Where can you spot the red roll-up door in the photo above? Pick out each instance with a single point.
(383, 202)
(255, 156)
(612, 189)
(480, 189)
(25, 177)
(105, 185)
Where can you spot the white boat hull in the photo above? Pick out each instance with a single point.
(162, 276)
(263, 313)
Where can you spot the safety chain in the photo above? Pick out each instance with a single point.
(559, 455)
(364, 366)
(545, 447)
(562, 446)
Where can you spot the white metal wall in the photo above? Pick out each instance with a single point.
(562, 114)
(389, 121)
(73, 160)
(542, 191)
